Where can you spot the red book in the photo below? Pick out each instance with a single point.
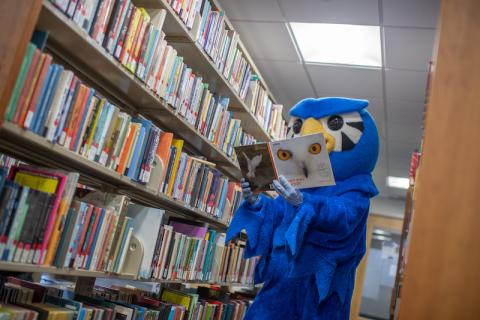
(36, 93)
(79, 111)
(26, 86)
(91, 236)
(85, 226)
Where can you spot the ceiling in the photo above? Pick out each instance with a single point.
(396, 91)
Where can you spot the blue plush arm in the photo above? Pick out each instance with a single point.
(330, 220)
(259, 221)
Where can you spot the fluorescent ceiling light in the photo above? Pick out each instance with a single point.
(338, 43)
(397, 182)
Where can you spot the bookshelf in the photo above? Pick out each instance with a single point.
(35, 149)
(184, 42)
(73, 44)
(27, 268)
(72, 47)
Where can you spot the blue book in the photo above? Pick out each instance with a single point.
(221, 202)
(84, 118)
(205, 14)
(95, 239)
(66, 107)
(75, 238)
(171, 77)
(136, 151)
(149, 57)
(39, 38)
(39, 125)
(41, 99)
(146, 139)
(122, 243)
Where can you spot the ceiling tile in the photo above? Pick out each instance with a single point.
(264, 10)
(362, 83)
(405, 85)
(405, 112)
(288, 81)
(411, 13)
(327, 11)
(408, 48)
(267, 40)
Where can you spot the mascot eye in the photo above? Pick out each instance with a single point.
(284, 155)
(297, 126)
(315, 148)
(335, 123)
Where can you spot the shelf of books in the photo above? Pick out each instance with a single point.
(35, 149)
(75, 46)
(118, 156)
(203, 35)
(50, 224)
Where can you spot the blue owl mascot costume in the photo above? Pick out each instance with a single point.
(310, 242)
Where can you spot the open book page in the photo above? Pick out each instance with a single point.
(256, 166)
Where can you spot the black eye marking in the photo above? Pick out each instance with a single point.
(347, 143)
(297, 126)
(335, 123)
(357, 125)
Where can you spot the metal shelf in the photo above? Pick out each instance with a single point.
(75, 46)
(32, 268)
(195, 57)
(27, 146)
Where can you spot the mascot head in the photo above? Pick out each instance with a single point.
(349, 130)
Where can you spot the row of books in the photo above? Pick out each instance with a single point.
(199, 185)
(23, 299)
(47, 220)
(137, 41)
(185, 251)
(221, 44)
(268, 114)
(71, 114)
(200, 303)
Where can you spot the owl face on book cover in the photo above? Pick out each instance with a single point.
(311, 241)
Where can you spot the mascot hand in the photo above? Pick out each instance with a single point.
(289, 192)
(247, 192)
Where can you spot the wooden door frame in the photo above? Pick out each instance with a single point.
(374, 221)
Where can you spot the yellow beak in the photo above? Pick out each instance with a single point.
(312, 126)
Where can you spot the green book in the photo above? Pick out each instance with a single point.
(22, 75)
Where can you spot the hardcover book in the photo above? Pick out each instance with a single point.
(304, 161)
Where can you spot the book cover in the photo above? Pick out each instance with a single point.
(303, 161)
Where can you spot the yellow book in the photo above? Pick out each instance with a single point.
(177, 298)
(91, 134)
(177, 144)
(132, 28)
(228, 136)
(138, 41)
(37, 182)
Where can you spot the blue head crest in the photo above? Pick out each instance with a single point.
(363, 157)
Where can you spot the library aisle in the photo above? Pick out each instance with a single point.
(132, 133)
